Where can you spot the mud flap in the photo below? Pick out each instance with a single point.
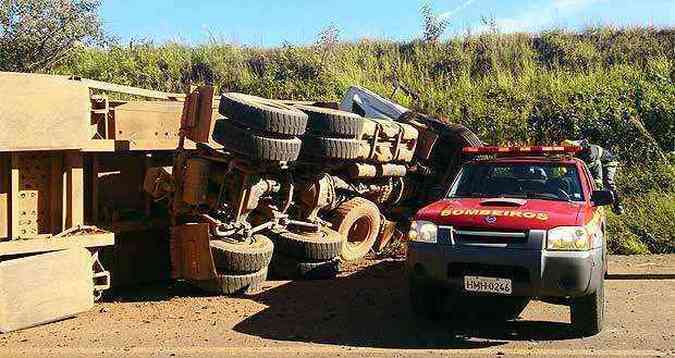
(191, 257)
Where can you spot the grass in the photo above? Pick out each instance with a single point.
(615, 87)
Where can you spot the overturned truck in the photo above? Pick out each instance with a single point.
(295, 188)
(219, 190)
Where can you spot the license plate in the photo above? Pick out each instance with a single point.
(487, 284)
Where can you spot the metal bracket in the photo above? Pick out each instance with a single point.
(100, 275)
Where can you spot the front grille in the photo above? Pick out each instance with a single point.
(516, 273)
(489, 237)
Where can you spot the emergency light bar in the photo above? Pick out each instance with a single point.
(522, 150)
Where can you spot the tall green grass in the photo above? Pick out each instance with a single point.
(615, 87)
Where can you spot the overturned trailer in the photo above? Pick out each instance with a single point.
(72, 165)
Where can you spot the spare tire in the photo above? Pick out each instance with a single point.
(263, 114)
(331, 122)
(359, 221)
(247, 142)
(322, 246)
(331, 148)
(246, 256)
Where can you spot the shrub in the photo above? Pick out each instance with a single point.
(37, 34)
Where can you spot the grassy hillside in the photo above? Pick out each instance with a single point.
(613, 86)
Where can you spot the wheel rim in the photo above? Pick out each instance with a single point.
(359, 232)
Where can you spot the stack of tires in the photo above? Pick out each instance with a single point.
(339, 135)
(259, 129)
(242, 266)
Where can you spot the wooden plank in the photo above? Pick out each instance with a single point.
(41, 112)
(20, 247)
(4, 196)
(94, 188)
(73, 189)
(99, 145)
(13, 196)
(154, 125)
(45, 288)
(55, 188)
(135, 91)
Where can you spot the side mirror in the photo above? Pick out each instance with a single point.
(602, 198)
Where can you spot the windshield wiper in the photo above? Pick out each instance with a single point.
(545, 196)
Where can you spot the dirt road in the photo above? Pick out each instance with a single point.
(365, 313)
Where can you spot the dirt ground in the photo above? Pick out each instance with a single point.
(364, 312)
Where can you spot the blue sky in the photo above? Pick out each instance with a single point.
(270, 23)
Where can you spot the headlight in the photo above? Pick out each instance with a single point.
(568, 238)
(423, 231)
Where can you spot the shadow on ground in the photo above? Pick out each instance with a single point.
(370, 308)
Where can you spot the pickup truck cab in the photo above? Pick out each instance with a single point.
(518, 223)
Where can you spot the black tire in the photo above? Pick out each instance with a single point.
(587, 313)
(331, 148)
(309, 248)
(254, 145)
(359, 221)
(447, 157)
(247, 256)
(263, 114)
(286, 267)
(331, 122)
(426, 301)
(463, 136)
(324, 270)
(232, 284)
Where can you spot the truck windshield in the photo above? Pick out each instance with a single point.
(518, 180)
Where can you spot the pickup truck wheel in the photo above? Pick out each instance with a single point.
(331, 148)
(331, 122)
(263, 114)
(587, 313)
(426, 301)
(359, 221)
(236, 138)
(246, 256)
(286, 267)
(311, 247)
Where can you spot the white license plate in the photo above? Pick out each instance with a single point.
(487, 284)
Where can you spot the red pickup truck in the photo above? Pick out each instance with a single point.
(518, 223)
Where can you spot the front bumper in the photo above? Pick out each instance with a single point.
(534, 272)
